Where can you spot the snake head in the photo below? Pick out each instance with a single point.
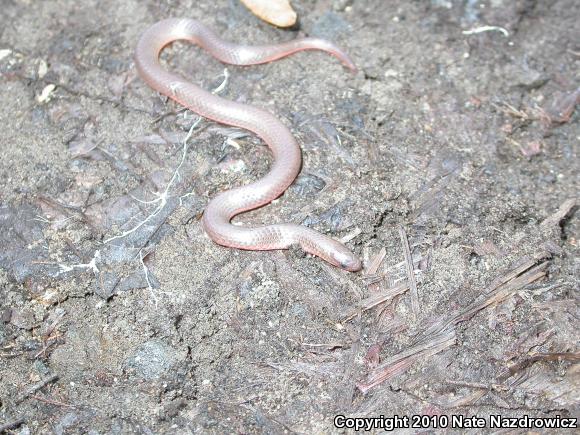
(332, 251)
(346, 260)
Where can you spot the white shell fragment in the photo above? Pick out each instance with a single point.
(46, 93)
(277, 12)
(5, 53)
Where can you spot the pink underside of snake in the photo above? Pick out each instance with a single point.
(287, 158)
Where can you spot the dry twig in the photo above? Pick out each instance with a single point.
(402, 361)
(36, 387)
(410, 273)
(11, 424)
(564, 209)
(502, 288)
(376, 299)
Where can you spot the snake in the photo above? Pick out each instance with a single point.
(216, 219)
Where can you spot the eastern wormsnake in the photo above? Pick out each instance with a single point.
(287, 158)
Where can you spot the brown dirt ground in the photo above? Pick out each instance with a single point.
(449, 162)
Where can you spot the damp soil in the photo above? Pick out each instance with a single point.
(448, 162)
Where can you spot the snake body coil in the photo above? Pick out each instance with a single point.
(287, 158)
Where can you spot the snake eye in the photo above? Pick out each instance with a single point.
(351, 263)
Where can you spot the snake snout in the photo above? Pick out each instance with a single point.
(352, 265)
(347, 260)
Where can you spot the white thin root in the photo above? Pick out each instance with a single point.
(145, 270)
(224, 83)
(162, 197)
(482, 29)
(90, 265)
(153, 292)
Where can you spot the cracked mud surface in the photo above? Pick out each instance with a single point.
(449, 163)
